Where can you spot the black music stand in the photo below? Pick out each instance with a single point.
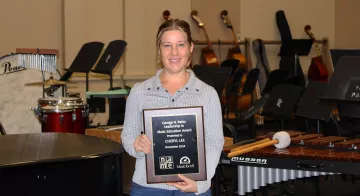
(344, 87)
(84, 61)
(310, 107)
(296, 47)
(282, 102)
(343, 84)
(336, 54)
(275, 77)
(213, 76)
(110, 58)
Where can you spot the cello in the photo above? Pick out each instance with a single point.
(317, 70)
(208, 56)
(234, 52)
(243, 101)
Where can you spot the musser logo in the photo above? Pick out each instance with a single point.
(249, 160)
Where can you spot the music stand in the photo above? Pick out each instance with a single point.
(345, 82)
(311, 107)
(282, 101)
(213, 75)
(336, 54)
(296, 48)
(343, 88)
(275, 77)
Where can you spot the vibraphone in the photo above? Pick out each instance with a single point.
(308, 155)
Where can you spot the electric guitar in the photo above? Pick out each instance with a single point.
(317, 70)
(234, 52)
(208, 56)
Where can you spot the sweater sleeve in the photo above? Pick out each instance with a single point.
(132, 123)
(214, 139)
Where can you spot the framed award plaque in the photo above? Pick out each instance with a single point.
(178, 144)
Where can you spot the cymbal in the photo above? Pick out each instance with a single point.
(49, 82)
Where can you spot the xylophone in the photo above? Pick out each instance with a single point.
(308, 155)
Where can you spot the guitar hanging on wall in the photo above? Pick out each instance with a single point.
(208, 56)
(317, 70)
(234, 52)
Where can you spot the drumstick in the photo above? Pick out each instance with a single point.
(249, 145)
(280, 140)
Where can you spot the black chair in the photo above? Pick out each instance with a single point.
(110, 59)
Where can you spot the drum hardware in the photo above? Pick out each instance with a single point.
(61, 119)
(44, 118)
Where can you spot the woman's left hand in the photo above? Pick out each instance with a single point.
(188, 185)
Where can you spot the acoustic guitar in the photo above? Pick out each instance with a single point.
(317, 70)
(208, 56)
(234, 52)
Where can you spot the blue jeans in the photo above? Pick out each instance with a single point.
(138, 190)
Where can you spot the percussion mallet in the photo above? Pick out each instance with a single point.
(280, 140)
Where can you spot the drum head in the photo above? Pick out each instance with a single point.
(71, 100)
(53, 101)
(57, 109)
(76, 105)
(49, 101)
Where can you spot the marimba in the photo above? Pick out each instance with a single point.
(308, 155)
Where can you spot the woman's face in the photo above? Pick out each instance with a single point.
(175, 51)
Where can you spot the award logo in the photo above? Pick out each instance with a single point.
(166, 162)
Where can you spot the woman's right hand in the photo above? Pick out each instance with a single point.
(142, 144)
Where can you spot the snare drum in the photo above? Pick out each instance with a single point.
(56, 119)
(54, 101)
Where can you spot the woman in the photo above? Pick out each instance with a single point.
(173, 86)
